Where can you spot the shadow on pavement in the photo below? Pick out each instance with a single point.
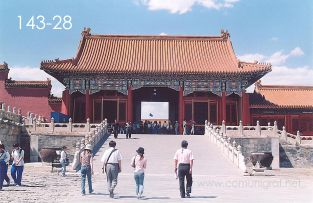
(143, 198)
(202, 197)
(99, 193)
(34, 185)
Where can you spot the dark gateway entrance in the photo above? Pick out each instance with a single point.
(156, 94)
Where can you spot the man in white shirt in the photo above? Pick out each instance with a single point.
(18, 164)
(112, 163)
(63, 161)
(183, 160)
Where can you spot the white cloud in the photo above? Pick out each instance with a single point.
(34, 73)
(252, 57)
(163, 33)
(296, 52)
(277, 58)
(184, 6)
(282, 74)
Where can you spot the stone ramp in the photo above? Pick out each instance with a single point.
(160, 182)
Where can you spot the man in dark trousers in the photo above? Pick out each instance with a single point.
(183, 160)
(115, 129)
(129, 129)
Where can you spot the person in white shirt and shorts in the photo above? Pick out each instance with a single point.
(183, 160)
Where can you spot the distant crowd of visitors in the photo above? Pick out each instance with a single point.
(152, 127)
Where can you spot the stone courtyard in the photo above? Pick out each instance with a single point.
(215, 179)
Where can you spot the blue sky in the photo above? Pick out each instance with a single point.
(280, 31)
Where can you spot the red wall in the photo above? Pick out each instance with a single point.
(33, 100)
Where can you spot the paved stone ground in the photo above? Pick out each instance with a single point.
(215, 178)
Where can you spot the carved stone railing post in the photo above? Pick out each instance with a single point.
(258, 128)
(3, 107)
(240, 127)
(31, 118)
(275, 128)
(52, 124)
(9, 108)
(284, 134)
(228, 146)
(269, 126)
(88, 125)
(70, 125)
(14, 110)
(233, 151)
(223, 127)
(298, 138)
(241, 159)
(35, 125)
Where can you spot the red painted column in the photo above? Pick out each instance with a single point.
(245, 109)
(65, 109)
(223, 106)
(88, 105)
(130, 104)
(288, 123)
(181, 109)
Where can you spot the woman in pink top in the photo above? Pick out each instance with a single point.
(139, 163)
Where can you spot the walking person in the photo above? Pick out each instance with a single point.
(18, 164)
(130, 129)
(176, 128)
(4, 157)
(86, 160)
(183, 162)
(139, 163)
(192, 131)
(116, 127)
(184, 127)
(63, 161)
(112, 165)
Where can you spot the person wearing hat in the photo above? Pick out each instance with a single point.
(183, 161)
(86, 160)
(18, 164)
(139, 163)
(63, 161)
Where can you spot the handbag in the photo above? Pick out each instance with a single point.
(104, 168)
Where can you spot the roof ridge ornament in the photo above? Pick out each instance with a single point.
(258, 84)
(86, 31)
(225, 34)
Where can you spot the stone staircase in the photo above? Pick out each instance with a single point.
(160, 181)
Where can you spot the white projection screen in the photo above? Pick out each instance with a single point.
(154, 110)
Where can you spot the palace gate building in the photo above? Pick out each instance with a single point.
(199, 76)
